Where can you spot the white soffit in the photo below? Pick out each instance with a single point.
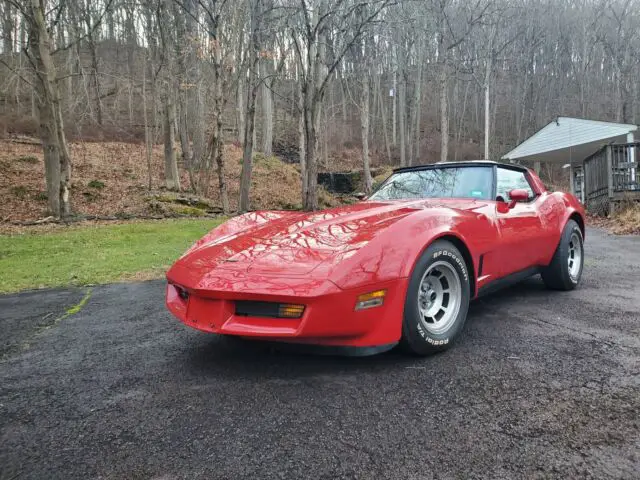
(569, 139)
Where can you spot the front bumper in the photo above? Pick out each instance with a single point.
(329, 318)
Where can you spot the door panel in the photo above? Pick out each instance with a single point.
(520, 232)
(551, 211)
(520, 226)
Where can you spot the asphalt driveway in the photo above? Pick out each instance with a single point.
(542, 385)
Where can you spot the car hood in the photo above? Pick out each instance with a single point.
(296, 244)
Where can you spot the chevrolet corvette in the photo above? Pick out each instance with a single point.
(399, 267)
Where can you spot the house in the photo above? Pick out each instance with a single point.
(602, 158)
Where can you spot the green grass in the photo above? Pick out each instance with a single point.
(95, 254)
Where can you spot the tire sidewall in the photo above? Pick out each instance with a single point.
(572, 227)
(419, 339)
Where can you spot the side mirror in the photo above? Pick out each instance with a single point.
(517, 195)
(360, 195)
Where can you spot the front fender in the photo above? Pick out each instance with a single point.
(393, 254)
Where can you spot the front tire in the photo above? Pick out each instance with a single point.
(437, 300)
(565, 270)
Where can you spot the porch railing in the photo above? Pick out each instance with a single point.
(611, 175)
(624, 167)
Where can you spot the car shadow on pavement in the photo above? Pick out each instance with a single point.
(229, 356)
(530, 289)
(235, 356)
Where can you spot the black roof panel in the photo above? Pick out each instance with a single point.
(466, 163)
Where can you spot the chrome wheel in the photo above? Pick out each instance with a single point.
(574, 259)
(439, 297)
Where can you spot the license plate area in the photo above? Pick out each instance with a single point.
(209, 312)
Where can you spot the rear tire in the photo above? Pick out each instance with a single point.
(565, 270)
(437, 300)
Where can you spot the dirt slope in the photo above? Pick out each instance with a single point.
(111, 179)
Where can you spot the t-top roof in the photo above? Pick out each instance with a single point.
(461, 163)
(569, 140)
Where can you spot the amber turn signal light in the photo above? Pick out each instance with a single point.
(370, 300)
(290, 310)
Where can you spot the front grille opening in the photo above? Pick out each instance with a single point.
(245, 308)
(182, 293)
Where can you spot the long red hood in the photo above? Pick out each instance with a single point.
(295, 243)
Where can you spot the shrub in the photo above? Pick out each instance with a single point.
(97, 184)
(90, 196)
(188, 211)
(28, 159)
(19, 191)
(626, 220)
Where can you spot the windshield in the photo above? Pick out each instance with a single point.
(447, 182)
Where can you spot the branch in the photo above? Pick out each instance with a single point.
(360, 28)
(89, 32)
(2, 62)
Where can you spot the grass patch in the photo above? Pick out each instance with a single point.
(98, 184)
(188, 210)
(95, 254)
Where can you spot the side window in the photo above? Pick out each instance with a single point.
(510, 180)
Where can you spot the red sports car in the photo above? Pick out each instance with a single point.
(398, 267)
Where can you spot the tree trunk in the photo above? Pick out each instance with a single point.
(312, 127)
(172, 177)
(247, 151)
(325, 137)
(240, 110)
(94, 76)
(217, 139)
(147, 132)
(444, 114)
(402, 114)
(418, 107)
(7, 29)
(249, 134)
(486, 115)
(185, 145)
(56, 155)
(364, 124)
(383, 113)
(343, 104)
(302, 143)
(395, 102)
(198, 115)
(220, 166)
(415, 111)
(267, 110)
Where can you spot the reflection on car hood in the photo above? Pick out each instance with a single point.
(296, 243)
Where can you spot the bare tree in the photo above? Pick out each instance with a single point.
(40, 51)
(393, 77)
(254, 58)
(8, 22)
(310, 30)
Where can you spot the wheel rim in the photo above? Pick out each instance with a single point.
(439, 297)
(574, 259)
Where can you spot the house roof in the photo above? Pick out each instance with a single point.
(569, 140)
